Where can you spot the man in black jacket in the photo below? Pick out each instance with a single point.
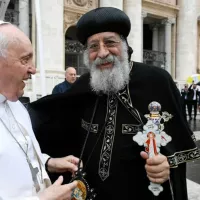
(192, 99)
(184, 98)
(70, 78)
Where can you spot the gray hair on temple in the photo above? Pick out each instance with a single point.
(3, 40)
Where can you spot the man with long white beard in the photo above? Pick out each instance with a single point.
(106, 108)
(109, 79)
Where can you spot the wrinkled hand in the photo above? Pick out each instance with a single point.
(59, 165)
(57, 191)
(157, 167)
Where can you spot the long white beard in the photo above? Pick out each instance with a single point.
(109, 80)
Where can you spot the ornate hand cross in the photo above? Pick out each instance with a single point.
(153, 136)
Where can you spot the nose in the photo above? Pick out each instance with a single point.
(103, 51)
(32, 69)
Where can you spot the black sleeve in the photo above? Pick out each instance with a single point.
(56, 126)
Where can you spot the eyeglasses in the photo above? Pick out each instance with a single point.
(108, 43)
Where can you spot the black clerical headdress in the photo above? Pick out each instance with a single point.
(103, 19)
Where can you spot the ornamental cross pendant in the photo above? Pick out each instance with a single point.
(34, 172)
(153, 137)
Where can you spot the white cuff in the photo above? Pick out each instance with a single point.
(45, 157)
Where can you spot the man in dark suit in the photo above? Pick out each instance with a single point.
(192, 98)
(184, 98)
(70, 78)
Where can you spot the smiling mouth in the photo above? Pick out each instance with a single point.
(105, 65)
(27, 78)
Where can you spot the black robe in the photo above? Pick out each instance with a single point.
(111, 158)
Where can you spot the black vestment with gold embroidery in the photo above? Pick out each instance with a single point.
(112, 159)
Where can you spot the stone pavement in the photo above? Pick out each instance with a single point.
(193, 175)
(193, 190)
(193, 168)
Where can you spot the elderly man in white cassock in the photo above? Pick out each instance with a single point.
(22, 165)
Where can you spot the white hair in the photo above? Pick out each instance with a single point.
(3, 45)
(109, 80)
(3, 41)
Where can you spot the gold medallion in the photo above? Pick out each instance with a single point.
(83, 190)
(80, 192)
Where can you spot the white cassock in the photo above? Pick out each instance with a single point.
(16, 181)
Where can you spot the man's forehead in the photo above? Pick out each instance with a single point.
(19, 42)
(103, 35)
(20, 45)
(70, 70)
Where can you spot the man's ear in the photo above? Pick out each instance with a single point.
(130, 51)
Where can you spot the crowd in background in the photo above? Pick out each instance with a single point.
(191, 100)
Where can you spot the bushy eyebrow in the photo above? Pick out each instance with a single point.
(110, 37)
(105, 38)
(28, 55)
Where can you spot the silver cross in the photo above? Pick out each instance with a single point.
(34, 172)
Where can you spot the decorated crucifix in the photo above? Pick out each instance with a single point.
(153, 136)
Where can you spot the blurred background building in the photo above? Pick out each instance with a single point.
(164, 33)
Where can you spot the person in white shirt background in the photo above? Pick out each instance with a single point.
(22, 165)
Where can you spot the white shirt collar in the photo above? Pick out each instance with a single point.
(2, 98)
